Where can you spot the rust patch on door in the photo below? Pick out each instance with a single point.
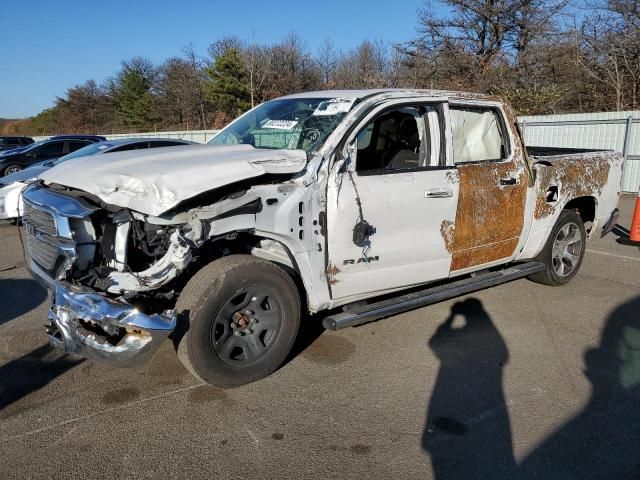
(484, 254)
(575, 176)
(490, 216)
(447, 230)
(331, 273)
(452, 177)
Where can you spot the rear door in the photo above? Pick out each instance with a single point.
(493, 187)
(391, 203)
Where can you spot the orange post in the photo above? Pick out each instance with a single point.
(634, 231)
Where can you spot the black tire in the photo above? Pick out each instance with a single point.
(552, 274)
(11, 169)
(238, 320)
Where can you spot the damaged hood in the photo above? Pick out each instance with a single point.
(156, 180)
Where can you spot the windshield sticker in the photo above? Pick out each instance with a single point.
(280, 124)
(102, 147)
(334, 107)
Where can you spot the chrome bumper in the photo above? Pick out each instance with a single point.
(103, 330)
(60, 234)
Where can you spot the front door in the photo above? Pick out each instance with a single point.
(493, 187)
(391, 204)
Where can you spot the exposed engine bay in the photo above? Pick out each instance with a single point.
(133, 256)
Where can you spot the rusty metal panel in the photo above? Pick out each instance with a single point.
(489, 218)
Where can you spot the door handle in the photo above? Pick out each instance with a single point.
(509, 181)
(438, 193)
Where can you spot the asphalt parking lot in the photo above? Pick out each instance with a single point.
(518, 381)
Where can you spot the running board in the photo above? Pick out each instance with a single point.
(385, 308)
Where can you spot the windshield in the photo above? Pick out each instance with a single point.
(291, 124)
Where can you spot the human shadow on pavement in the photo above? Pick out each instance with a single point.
(603, 440)
(31, 372)
(468, 431)
(19, 296)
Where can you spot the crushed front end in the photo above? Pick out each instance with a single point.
(73, 255)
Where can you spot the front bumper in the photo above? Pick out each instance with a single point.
(59, 235)
(104, 330)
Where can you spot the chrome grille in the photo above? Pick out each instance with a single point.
(48, 219)
(41, 235)
(39, 219)
(43, 253)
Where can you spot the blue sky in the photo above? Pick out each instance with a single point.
(62, 43)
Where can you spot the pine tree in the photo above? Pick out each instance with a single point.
(134, 96)
(227, 87)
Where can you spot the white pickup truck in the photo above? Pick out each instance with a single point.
(375, 201)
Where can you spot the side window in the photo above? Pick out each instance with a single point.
(477, 135)
(392, 141)
(50, 150)
(131, 146)
(77, 145)
(164, 143)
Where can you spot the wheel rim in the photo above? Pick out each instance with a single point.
(567, 248)
(246, 326)
(11, 170)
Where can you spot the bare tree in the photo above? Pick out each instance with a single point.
(258, 64)
(196, 66)
(610, 49)
(327, 60)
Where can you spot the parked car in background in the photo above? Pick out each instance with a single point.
(9, 143)
(13, 161)
(12, 185)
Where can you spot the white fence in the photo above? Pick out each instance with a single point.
(200, 136)
(619, 131)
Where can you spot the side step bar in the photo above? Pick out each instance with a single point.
(385, 308)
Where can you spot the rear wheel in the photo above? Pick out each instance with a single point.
(564, 250)
(240, 316)
(12, 169)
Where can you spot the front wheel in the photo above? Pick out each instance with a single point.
(240, 317)
(11, 169)
(564, 250)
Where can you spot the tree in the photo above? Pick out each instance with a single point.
(180, 98)
(196, 65)
(363, 67)
(84, 108)
(226, 87)
(482, 39)
(134, 94)
(292, 68)
(610, 50)
(327, 61)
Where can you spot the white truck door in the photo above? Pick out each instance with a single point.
(391, 204)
